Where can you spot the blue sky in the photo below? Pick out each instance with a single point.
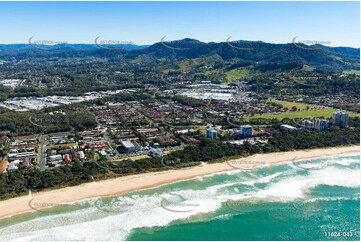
(148, 22)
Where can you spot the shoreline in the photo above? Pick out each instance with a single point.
(125, 184)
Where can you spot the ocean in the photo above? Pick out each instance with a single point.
(317, 199)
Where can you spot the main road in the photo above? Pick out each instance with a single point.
(42, 152)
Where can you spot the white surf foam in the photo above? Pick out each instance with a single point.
(147, 211)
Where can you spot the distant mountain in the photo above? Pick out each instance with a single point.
(264, 56)
(258, 52)
(19, 47)
(345, 51)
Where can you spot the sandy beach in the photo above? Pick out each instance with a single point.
(148, 180)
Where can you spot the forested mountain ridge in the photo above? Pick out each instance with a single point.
(256, 53)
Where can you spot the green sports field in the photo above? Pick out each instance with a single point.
(313, 112)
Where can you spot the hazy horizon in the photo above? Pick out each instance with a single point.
(165, 41)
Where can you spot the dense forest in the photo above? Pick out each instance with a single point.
(36, 122)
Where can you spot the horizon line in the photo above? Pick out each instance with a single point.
(132, 43)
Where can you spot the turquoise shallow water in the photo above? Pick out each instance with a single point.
(311, 200)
